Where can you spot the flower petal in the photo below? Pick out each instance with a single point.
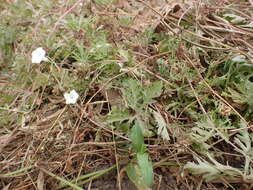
(38, 55)
(72, 97)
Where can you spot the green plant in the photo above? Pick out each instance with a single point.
(140, 170)
(138, 99)
(214, 170)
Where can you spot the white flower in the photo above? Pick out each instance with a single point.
(38, 55)
(71, 98)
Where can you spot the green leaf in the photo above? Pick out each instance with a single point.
(137, 139)
(145, 128)
(212, 171)
(124, 54)
(146, 168)
(204, 131)
(243, 93)
(141, 174)
(134, 174)
(162, 126)
(138, 97)
(118, 115)
(133, 93)
(243, 141)
(204, 168)
(235, 19)
(152, 91)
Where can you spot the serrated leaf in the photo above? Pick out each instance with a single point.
(162, 126)
(243, 140)
(138, 97)
(211, 171)
(137, 139)
(133, 93)
(243, 93)
(203, 168)
(118, 115)
(204, 131)
(152, 91)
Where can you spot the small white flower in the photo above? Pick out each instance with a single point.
(38, 55)
(71, 98)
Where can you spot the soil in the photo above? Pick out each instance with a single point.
(109, 182)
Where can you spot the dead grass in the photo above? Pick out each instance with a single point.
(189, 46)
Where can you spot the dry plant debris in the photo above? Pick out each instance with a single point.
(116, 94)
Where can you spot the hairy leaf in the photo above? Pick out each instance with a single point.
(133, 93)
(162, 126)
(152, 91)
(211, 171)
(138, 97)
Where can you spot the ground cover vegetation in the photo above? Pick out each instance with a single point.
(126, 94)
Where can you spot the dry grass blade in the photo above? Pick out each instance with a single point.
(74, 186)
(40, 181)
(159, 85)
